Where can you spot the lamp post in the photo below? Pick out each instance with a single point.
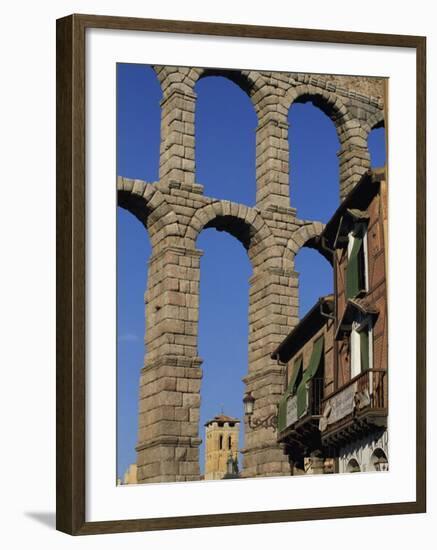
(270, 421)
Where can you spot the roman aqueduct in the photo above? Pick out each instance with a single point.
(174, 210)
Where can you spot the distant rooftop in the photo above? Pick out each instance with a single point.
(222, 418)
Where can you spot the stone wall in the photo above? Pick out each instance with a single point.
(175, 210)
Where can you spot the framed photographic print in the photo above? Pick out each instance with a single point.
(240, 274)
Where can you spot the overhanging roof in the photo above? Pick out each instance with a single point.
(354, 205)
(353, 305)
(305, 329)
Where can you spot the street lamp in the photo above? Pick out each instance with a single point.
(248, 402)
(270, 421)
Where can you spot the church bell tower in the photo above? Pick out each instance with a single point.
(221, 446)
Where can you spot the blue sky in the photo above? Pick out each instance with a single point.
(225, 165)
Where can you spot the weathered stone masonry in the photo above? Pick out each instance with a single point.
(174, 211)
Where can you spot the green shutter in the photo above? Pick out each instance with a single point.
(291, 388)
(316, 355)
(309, 373)
(297, 366)
(364, 349)
(302, 398)
(282, 413)
(353, 269)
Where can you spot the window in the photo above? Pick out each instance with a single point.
(221, 442)
(308, 375)
(361, 346)
(356, 270)
(229, 442)
(293, 384)
(296, 376)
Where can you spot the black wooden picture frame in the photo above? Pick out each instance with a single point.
(71, 253)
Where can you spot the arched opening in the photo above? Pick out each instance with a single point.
(314, 168)
(315, 278)
(379, 461)
(353, 466)
(376, 143)
(138, 122)
(223, 329)
(133, 252)
(225, 139)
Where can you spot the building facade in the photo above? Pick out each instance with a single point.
(308, 352)
(333, 414)
(221, 447)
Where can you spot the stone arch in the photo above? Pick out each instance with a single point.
(354, 158)
(161, 72)
(179, 77)
(329, 103)
(375, 128)
(149, 206)
(250, 82)
(270, 289)
(237, 77)
(377, 120)
(307, 235)
(240, 221)
(172, 363)
(222, 98)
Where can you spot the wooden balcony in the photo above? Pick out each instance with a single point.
(355, 409)
(301, 435)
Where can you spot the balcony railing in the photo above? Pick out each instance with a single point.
(366, 392)
(314, 397)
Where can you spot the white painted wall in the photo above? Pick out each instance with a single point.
(362, 451)
(27, 201)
